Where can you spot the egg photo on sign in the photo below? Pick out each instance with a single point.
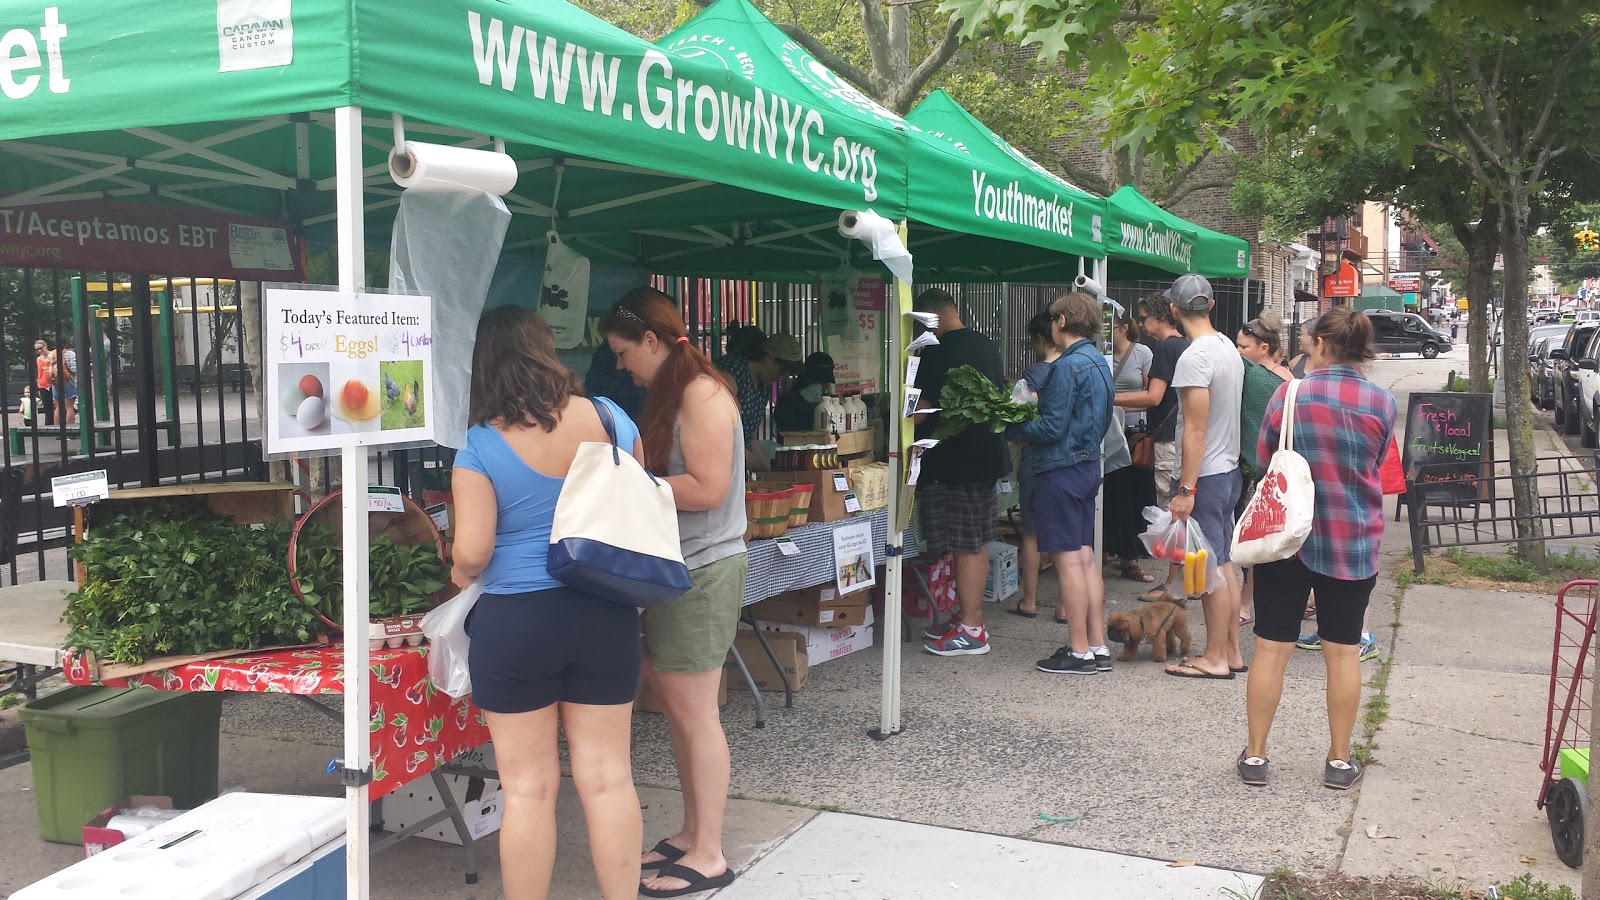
(355, 395)
(302, 399)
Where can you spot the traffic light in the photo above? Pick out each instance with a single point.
(1588, 240)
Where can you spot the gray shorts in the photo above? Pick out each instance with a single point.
(1214, 501)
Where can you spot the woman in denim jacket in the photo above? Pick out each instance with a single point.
(1074, 413)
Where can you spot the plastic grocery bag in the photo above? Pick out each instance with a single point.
(446, 628)
(1022, 393)
(1183, 544)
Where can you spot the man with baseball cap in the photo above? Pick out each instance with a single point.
(1210, 384)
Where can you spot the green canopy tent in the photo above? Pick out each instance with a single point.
(996, 214)
(983, 209)
(295, 112)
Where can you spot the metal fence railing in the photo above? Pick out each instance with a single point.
(1449, 509)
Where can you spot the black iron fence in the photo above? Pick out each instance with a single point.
(1449, 509)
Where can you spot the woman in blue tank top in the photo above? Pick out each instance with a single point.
(543, 654)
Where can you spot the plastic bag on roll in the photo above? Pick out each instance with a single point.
(446, 628)
(445, 246)
(881, 236)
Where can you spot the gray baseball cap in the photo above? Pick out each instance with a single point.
(1190, 292)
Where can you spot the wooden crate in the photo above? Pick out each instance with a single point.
(242, 502)
(849, 443)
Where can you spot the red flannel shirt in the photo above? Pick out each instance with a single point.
(1342, 426)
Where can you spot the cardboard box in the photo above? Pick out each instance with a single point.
(1002, 581)
(481, 799)
(790, 649)
(646, 701)
(827, 502)
(823, 644)
(798, 610)
(98, 836)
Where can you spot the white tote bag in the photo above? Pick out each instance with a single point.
(564, 293)
(1278, 519)
(615, 533)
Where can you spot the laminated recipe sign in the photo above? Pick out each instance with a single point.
(346, 370)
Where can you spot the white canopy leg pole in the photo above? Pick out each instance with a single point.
(892, 625)
(1100, 495)
(353, 469)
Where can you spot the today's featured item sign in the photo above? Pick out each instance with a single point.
(347, 370)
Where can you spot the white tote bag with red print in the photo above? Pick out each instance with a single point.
(1278, 519)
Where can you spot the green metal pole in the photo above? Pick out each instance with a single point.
(79, 336)
(102, 362)
(164, 315)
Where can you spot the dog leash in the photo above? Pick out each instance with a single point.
(1175, 607)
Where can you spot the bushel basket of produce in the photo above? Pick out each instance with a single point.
(406, 559)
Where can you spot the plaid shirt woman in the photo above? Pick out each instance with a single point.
(1342, 425)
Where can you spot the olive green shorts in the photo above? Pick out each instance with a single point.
(693, 633)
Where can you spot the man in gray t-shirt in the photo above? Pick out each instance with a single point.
(1214, 363)
(1209, 379)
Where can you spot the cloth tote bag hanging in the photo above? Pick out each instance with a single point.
(1278, 519)
(615, 533)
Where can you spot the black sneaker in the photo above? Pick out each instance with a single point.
(1065, 663)
(1102, 659)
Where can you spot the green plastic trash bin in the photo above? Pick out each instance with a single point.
(92, 746)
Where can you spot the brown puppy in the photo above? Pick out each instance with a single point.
(1164, 624)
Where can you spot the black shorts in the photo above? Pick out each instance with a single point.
(557, 646)
(1282, 589)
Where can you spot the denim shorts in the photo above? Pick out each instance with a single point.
(1214, 501)
(1064, 507)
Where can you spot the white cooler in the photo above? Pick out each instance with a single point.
(216, 852)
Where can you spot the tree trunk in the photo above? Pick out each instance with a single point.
(1514, 378)
(1481, 248)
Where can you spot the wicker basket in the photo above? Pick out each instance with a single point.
(800, 504)
(767, 507)
(410, 527)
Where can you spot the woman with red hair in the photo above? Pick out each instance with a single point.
(691, 436)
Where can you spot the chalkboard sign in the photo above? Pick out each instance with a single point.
(1450, 441)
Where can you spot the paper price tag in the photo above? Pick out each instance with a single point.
(787, 547)
(381, 498)
(851, 504)
(1005, 487)
(841, 484)
(80, 489)
(912, 396)
(440, 514)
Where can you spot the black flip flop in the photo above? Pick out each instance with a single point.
(669, 854)
(697, 882)
(1239, 671)
(1026, 615)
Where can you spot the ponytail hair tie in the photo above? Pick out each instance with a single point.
(683, 339)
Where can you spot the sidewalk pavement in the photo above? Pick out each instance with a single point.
(1004, 773)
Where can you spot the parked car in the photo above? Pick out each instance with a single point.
(1587, 373)
(1396, 332)
(1587, 315)
(1541, 380)
(1566, 358)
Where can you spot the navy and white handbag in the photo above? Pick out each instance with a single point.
(615, 533)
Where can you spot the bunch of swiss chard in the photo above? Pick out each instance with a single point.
(174, 578)
(401, 580)
(969, 398)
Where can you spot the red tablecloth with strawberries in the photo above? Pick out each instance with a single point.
(415, 726)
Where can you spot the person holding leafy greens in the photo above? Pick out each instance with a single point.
(543, 655)
(960, 474)
(1074, 413)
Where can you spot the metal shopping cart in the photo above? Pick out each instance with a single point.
(1563, 793)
